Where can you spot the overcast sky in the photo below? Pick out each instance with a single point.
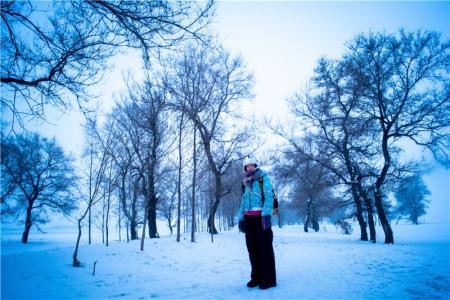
(281, 43)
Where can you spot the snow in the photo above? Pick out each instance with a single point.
(322, 265)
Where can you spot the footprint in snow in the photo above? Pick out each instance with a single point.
(439, 283)
(415, 293)
(120, 295)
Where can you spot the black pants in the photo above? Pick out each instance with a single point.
(260, 250)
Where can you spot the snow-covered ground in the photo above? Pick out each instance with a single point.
(323, 265)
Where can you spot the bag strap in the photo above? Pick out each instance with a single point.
(262, 189)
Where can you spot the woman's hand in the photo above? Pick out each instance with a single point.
(266, 222)
(241, 226)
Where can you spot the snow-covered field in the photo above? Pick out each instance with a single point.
(323, 265)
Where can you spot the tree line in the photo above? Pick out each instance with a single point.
(348, 127)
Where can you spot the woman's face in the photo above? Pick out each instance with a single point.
(250, 168)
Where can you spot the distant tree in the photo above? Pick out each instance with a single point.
(94, 165)
(180, 170)
(311, 185)
(37, 177)
(120, 127)
(232, 201)
(152, 117)
(194, 182)
(102, 212)
(167, 204)
(95, 162)
(411, 196)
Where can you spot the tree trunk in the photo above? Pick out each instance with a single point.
(90, 193)
(152, 199)
(359, 212)
(103, 222)
(180, 161)
(108, 204)
(133, 221)
(151, 217)
(133, 231)
(143, 227)
(89, 224)
(354, 188)
(316, 225)
(308, 215)
(27, 223)
(185, 215)
(127, 225)
(315, 222)
(217, 196)
(210, 223)
(415, 215)
(76, 262)
(361, 221)
(169, 221)
(373, 233)
(369, 207)
(194, 175)
(388, 234)
(120, 223)
(129, 215)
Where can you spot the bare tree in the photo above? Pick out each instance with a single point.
(411, 196)
(380, 88)
(109, 187)
(155, 117)
(125, 136)
(207, 85)
(310, 181)
(152, 117)
(194, 182)
(96, 159)
(231, 201)
(180, 164)
(44, 62)
(123, 156)
(328, 146)
(140, 131)
(50, 61)
(38, 177)
(344, 138)
(146, 111)
(167, 203)
(405, 87)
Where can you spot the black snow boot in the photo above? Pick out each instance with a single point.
(253, 283)
(266, 285)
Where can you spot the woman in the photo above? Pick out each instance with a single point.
(255, 221)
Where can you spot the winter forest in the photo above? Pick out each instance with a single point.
(169, 100)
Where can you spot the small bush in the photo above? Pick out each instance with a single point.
(346, 227)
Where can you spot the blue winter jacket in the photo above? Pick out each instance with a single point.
(252, 199)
